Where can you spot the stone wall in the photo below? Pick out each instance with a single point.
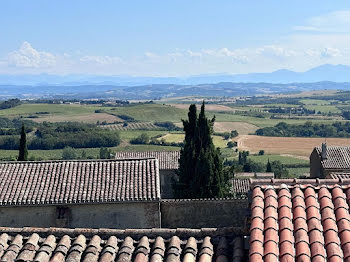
(204, 213)
(118, 215)
(166, 180)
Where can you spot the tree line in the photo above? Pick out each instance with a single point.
(308, 129)
(61, 135)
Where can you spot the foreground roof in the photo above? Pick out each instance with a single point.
(300, 222)
(338, 157)
(65, 182)
(107, 245)
(167, 159)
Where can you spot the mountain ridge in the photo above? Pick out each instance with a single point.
(326, 72)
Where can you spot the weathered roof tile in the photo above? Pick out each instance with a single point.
(66, 182)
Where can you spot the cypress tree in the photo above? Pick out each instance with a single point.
(268, 166)
(23, 150)
(201, 166)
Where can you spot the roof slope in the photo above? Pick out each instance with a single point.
(167, 159)
(338, 157)
(300, 223)
(240, 185)
(106, 245)
(64, 182)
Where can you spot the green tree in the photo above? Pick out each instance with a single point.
(69, 153)
(201, 167)
(268, 166)
(105, 153)
(23, 150)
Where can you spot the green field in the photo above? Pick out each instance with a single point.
(150, 112)
(171, 137)
(284, 159)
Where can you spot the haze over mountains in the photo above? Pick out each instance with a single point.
(327, 72)
(336, 77)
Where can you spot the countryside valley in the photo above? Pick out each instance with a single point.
(280, 129)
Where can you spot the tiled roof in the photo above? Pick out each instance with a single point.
(65, 182)
(255, 175)
(240, 185)
(338, 157)
(108, 245)
(300, 223)
(339, 175)
(167, 159)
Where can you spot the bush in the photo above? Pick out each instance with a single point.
(141, 139)
(230, 144)
(261, 152)
(69, 153)
(234, 133)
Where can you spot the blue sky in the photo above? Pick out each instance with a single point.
(172, 38)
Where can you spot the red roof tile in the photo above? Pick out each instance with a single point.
(302, 222)
(65, 182)
(166, 159)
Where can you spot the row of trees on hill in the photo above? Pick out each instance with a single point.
(308, 129)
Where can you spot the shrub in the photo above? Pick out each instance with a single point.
(261, 152)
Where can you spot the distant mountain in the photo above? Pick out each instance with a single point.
(152, 92)
(327, 72)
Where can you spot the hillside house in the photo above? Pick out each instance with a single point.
(326, 159)
(168, 164)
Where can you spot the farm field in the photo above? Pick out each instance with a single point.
(218, 140)
(131, 126)
(208, 107)
(293, 146)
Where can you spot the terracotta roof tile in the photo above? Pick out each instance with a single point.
(167, 159)
(66, 182)
(301, 222)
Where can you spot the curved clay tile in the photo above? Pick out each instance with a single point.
(93, 249)
(271, 238)
(330, 230)
(158, 250)
(222, 251)
(126, 250)
(77, 249)
(142, 250)
(256, 250)
(314, 225)
(302, 249)
(206, 252)
(29, 249)
(45, 251)
(343, 220)
(110, 250)
(286, 237)
(237, 252)
(13, 249)
(173, 250)
(190, 251)
(61, 249)
(3, 243)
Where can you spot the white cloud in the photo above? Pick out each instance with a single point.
(330, 52)
(101, 60)
(27, 56)
(334, 22)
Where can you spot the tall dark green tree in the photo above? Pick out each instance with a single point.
(268, 166)
(201, 166)
(23, 150)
